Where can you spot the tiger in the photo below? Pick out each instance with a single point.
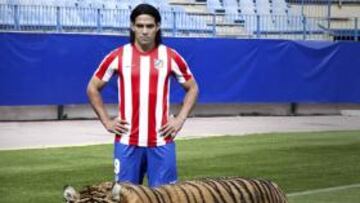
(205, 190)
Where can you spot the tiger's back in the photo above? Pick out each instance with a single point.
(208, 190)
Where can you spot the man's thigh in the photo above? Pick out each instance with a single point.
(161, 167)
(129, 163)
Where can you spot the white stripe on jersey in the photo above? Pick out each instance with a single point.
(109, 72)
(144, 100)
(126, 70)
(160, 92)
(179, 76)
(110, 69)
(174, 67)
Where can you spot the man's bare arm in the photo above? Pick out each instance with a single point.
(175, 125)
(94, 93)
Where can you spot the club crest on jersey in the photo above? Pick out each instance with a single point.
(158, 63)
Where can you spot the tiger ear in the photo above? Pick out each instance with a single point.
(115, 192)
(70, 194)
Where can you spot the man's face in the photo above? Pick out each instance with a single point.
(145, 29)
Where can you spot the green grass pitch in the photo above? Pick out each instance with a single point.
(296, 161)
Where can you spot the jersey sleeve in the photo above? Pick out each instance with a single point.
(180, 68)
(108, 66)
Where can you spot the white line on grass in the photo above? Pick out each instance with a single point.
(330, 189)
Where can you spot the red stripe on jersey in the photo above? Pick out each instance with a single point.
(154, 75)
(121, 91)
(182, 65)
(106, 63)
(135, 83)
(121, 88)
(165, 95)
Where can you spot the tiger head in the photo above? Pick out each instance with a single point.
(70, 194)
(107, 192)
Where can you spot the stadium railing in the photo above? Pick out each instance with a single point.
(177, 22)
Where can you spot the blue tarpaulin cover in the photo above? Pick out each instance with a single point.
(46, 69)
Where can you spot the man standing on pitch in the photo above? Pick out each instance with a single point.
(144, 131)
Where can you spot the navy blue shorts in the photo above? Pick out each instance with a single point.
(131, 163)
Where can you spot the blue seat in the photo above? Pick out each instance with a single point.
(263, 21)
(167, 18)
(279, 7)
(7, 14)
(247, 7)
(97, 4)
(159, 4)
(134, 3)
(232, 11)
(116, 15)
(154, 3)
(263, 7)
(215, 6)
(116, 5)
(67, 3)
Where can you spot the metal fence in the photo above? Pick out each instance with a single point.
(179, 23)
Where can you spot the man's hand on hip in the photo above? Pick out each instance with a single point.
(172, 127)
(117, 126)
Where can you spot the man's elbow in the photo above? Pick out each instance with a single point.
(91, 89)
(195, 89)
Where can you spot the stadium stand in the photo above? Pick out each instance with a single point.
(235, 18)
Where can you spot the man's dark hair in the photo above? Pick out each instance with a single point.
(149, 10)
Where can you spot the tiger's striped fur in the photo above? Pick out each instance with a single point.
(209, 190)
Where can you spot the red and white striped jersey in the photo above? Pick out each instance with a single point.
(144, 83)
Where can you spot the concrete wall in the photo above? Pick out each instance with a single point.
(16, 113)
